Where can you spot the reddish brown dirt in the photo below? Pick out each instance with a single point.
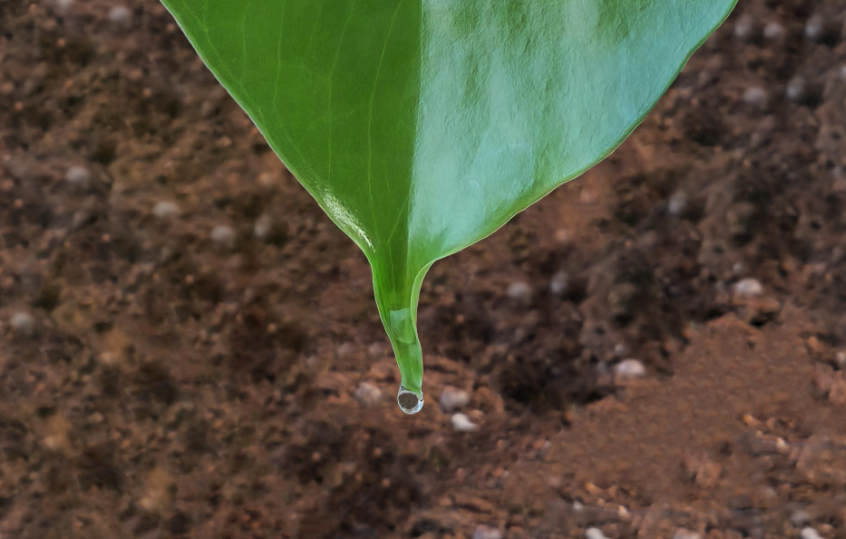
(164, 377)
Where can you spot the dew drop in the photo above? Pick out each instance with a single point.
(409, 401)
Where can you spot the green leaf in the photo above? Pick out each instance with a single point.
(422, 126)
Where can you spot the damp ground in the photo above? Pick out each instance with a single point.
(190, 348)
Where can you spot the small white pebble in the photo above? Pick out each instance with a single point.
(22, 323)
(630, 368)
(80, 218)
(737, 269)
(520, 291)
(795, 89)
(814, 28)
(620, 350)
(486, 532)
(376, 350)
(684, 533)
(120, 14)
(64, 5)
(263, 226)
(53, 442)
(588, 196)
(594, 533)
(744, 28)
(748, 287)
(800, 518)
(368, 394)
(345, 349)
(559, 284)
(453, 398)
(773, 31)
(78, 176)
(840, 357)
(756, 96)
(165, 209)
(462, 423)
(564, 236)
(809, 533)
(223, 234)
(677, 204)
(769, 493)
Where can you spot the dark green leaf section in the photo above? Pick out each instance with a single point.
(334, 87)
(421, 126)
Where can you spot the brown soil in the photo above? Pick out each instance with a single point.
(161, 376)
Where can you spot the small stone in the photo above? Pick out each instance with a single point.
(773, 31)
(223, 234)
(684, 533)
(453, 398)
(559, 284)
(79, 176)
(462, 423)
(815, 345)
(795, 89)
(620, 350)
(839, 176)
(564, 236)
(744, 28)
(345, 350)
(630, 368)
(814, 28)
(840, 358)
(520, 291)
(588, 196)
(368, 394)
(486, 532)
(677, 204)
(22, 323)
(843, 72)
(594, 533)
(756, 96)
(800, 518)
(120, 14)
(748, 287)
(64, 5)
(376, 350)
(809, 533)
(80, 218)
(738, 269)
(165, 209)
(263, 227)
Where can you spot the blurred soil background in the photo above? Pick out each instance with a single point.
(189, 348)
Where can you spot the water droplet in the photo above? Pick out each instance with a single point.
(409, 401)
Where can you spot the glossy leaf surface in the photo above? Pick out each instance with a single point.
(421, 126)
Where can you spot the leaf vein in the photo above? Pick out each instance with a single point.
(370, 121)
